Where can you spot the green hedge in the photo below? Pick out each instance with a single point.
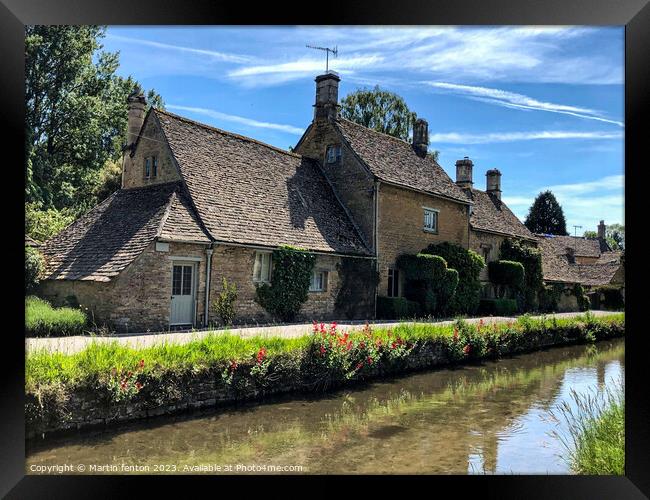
(34, 265)
(506, 272)
(531, 259)
(43, 320)
(428, 281)
(469, 265)
(612, 297)
(498, 307)
(396, 308)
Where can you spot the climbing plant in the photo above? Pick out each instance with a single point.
(289, 287)
(469, 264)
(507, 275)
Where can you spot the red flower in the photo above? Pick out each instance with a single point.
(322, 350)
(455, 334)
(369, 360)
(141, 364)
(360, 365)
(138, 386)
(233, 365)
(467, 349)
(260, 355)
(349, 346)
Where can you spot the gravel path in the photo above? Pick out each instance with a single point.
(69, 345)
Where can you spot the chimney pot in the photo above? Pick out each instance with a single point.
(601, 230)
(493, 184)
(421, 137)
(464, 169)
(327, 96)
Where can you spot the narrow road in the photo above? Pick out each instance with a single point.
(70, 345)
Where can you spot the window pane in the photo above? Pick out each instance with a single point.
(265, 267)
(176, 280)
(187, 280)
(390, 282)
(155, 166)
(395, 283)
(147, 167)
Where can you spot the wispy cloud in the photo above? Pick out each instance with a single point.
(462, 138)
(513, 100)
(610, 182)
(216, 55)
(218, 115)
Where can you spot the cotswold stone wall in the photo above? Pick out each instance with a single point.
(152, 143)
(401, 220)
(236, 265)
(479, 242)
(351, 180)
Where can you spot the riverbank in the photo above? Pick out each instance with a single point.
(106, 384)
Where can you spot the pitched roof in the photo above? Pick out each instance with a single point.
(248, 192)
(583, 247)
(394, 160)
(613, 257)
(556, 267)
(105, 240)
(490, 214)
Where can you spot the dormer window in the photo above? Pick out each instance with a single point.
(430, 220)
(333, 154)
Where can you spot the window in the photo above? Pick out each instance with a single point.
(262, 267)
(431, 220)
(318, 281)
(182, 280)
(147, 167)
(486, 252)
(333, 153)
(154, 172)
(393, 283)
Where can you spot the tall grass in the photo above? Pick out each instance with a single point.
(43, 320)
(595, 442)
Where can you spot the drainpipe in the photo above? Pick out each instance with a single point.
(376, 242)
(208, 265)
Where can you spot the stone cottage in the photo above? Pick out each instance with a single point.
(199, 204)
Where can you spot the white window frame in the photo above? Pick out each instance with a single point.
(336, 156)
(312, 282)
(428, 210)
(258, 264)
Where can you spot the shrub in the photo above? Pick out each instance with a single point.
(581, 296)
(531, 259)
(34, 265)
(289, 288)
(42, 320)
(43, 224)
(498, 307)
(396, 308)
(612, 297)
(468, 264)
(428, 281)
(224, 305)
(356, 295)
(507, 275)
(549, 296)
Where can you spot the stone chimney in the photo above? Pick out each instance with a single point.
(137, 105)
(327, 96)
(421, 137)
(601, 230)
(493, 185)
(464, 173)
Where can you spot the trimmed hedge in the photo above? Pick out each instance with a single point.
(506, 272)
(613, 297)
(531, 259)
(43, 320)
(469, 265)
(396, 308)
(498, 307)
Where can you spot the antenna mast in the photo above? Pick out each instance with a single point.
(327, 50)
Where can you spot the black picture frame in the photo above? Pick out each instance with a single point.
(633, 14)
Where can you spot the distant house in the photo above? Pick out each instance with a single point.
(199, 204)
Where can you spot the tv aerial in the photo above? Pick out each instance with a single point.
(327, 51)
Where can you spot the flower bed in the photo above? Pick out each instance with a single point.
(109, 383)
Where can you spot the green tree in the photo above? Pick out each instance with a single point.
(546, 216)
(382, 111)
(76, 114)
(614, 235)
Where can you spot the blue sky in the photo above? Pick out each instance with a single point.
(545, 105)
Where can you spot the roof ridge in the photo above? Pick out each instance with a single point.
(375, 131)
(225, 132)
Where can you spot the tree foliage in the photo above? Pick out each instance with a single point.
(531, 259)
(76, 114)
(41, 224)
(34, 266)
(614, 235)
(546, 216)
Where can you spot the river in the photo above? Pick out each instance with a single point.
(490, 418)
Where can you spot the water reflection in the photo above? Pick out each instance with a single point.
(492, 418)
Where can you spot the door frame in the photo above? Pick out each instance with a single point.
(184, 262)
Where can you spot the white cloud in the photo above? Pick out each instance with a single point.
(513, 100)
(606, 183)
(216, 55)
(239, 119)
(462, 138)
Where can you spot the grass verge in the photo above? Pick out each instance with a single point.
(43, 320)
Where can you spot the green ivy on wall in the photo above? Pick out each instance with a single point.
(289, 287)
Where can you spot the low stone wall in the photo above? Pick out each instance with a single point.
(54, 410)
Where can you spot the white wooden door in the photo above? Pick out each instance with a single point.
(182, 300)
